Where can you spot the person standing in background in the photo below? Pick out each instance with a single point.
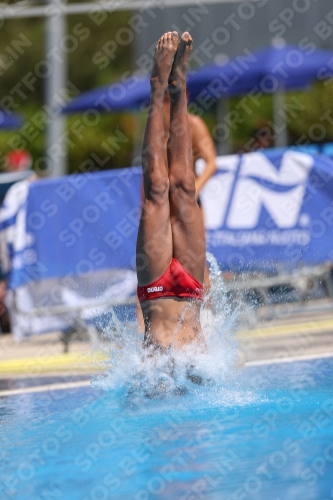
(13, 186)
(18, 160)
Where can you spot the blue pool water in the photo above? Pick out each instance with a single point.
(264, 433)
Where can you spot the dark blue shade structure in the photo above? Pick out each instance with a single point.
(270, 69)
(273, 68)
(8, 122)
(130, 93)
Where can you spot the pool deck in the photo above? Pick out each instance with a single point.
(307, 334)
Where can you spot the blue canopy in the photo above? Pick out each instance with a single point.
(282, 67)
(129, 93)
(9, 121)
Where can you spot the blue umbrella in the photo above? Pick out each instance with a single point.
(273, 69)
(277, 67)
(129, 93)
(9, 121)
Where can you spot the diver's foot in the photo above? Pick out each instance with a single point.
(177, 78)
(165, 51)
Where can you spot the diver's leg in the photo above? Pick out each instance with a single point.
(154, 243)
(189, 246)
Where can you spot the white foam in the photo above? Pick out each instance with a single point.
(210, 376)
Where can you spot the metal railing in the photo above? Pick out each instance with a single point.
(239, 288)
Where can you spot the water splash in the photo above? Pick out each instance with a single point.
(137, 374)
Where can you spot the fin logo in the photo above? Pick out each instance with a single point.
(234, 198)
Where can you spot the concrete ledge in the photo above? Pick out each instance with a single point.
(42, 354)
(76, 362)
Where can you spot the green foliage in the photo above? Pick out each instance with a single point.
(98, 55)
(305, 113)
(315, 121)
(247, 113)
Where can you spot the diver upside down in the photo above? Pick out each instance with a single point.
(171, 247)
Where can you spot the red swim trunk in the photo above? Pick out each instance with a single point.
(175, 282)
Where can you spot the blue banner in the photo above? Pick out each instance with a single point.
(260, 210)
(76, 225)
(263, 209)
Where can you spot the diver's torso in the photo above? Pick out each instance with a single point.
(173, 321)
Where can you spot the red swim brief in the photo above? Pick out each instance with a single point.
(175, 282)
